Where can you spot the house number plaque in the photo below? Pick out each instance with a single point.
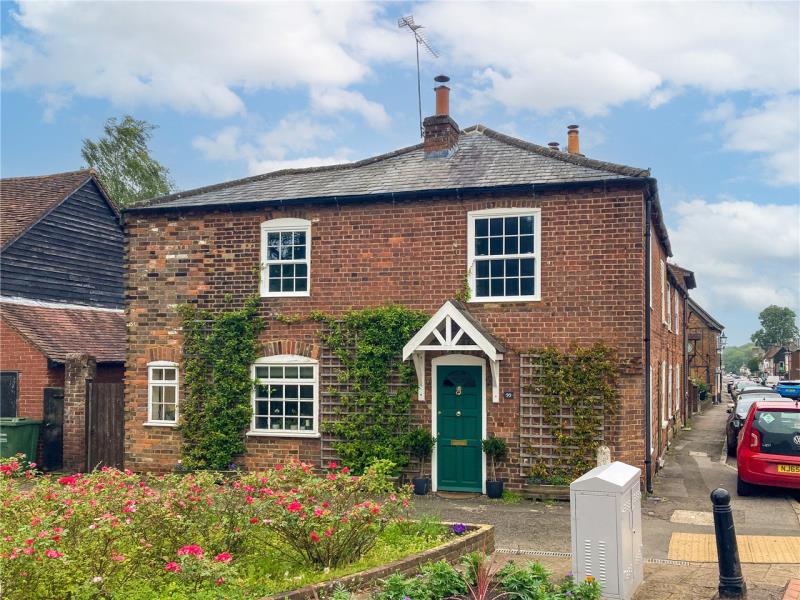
(508, 395)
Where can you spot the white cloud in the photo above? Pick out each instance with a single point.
(745, 255)
(591, 56)
(272, 150)
(189, 56)
(337, 100)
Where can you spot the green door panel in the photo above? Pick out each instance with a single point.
(459, 422)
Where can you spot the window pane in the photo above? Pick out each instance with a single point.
(168, 394)
(157, 374)
(306, 372)
(291, 373)
(286, 253)
(291, 391)
(275, 270)
(291, 409)
(290, 424)
(276, 391)
(307, 424)
(261, 422)
(306, 391)
(262, 372)
(299, 238)
(299, 252)
(262, 391)
(497, 287)
(170, 374)
(273, 254)
(286, 238)
(512, 287)
(526, 224)
(526, 244)
(527, 286)
(276, 372)
(276, 408)
(496, 226)
(301, 270)
(301, 284)
(526, 265)
(169, 412)
(497, 268)
(262, 408)
(482, 288)
(495, 245)
(512, 267)
(287, 270)
(287, 285)
(482, 268)
(276, 423)
(307, 409)
(481, 246)
(511, 245)
(511, 225)
(481, 227)
(274, 285)
(273, 239)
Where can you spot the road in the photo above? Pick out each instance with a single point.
(695, 465)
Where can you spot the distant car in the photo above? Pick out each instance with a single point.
(743, 385)
(738, 414)
(769, 447)
(788, 389)
(755, 389)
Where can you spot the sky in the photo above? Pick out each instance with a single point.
(707, 95)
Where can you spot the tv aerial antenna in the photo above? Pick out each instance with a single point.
(419, 38)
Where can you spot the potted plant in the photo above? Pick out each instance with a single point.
(420, 444)
(497, 450)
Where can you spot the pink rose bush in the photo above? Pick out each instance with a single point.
(104, 533)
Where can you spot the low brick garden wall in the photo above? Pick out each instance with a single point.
(478, 538)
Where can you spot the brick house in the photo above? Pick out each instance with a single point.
(557, 249)
(61, 318)
(705, 358)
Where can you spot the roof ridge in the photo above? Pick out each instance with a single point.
(558, 154)
(88, 171)
(244, 180)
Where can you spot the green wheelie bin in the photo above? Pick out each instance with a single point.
(19, 434)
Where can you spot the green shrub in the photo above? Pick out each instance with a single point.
(420, 444)
(525, 583)
(496, 449)
(442, 580)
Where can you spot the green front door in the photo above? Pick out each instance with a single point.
(459, 396)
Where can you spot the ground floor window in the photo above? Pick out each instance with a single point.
(285, 396)
(162, 384)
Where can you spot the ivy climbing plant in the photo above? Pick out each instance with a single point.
(373, 418)
(218, 350)
(577, 391)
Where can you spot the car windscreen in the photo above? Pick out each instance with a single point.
(789, 383)
(745, 402)
(779, 431)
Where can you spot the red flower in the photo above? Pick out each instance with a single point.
(53, 554)
(68, 480)
(220, 581)
(314, 537)
(172, 566)
(332, 465)
(249, 499)
(294, 506)
(254, 520)
(345, 470)
(191, 550)
(117, 557)
(328, 532)
(223, 557)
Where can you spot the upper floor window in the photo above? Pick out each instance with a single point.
(162, 393)
(285, 396)
(285, 257)
(663, 292)
(677, 305)
(669, 306)
(504, 254)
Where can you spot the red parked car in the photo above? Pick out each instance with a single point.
(769, 447)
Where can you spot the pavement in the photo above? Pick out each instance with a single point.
(695, 465)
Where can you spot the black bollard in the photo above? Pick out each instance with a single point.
(731, 582)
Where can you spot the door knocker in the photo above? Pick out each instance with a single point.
(458, 390)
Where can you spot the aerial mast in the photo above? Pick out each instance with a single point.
(419, 38)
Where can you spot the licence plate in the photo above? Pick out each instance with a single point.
(789, 469)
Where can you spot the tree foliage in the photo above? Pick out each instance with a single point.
(735, 357)
(778, 326)
(123, 162)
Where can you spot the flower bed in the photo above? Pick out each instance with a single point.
(119, 535)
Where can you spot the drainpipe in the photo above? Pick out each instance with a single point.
(685, 353)
(648, 455)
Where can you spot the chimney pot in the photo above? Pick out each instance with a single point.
(440, 132)
(573, 140)
(553, 146)
(442, 100)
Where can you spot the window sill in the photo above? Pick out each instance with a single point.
(285, 294)
(158, 424)
(498, 300)
(283, 434)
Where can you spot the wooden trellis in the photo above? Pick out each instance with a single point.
(536, 435)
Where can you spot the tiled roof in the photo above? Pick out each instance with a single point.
(684, 277)
(59, 331)
(710, 321)
(484, 159)
(25, 200)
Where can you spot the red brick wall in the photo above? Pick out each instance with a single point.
(706, 359)
(409, 252)
(18, 354)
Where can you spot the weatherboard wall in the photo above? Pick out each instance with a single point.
(73, 255)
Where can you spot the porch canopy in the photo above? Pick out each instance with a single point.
(454, 329)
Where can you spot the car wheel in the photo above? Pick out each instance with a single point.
(743, 488)
(731, 445)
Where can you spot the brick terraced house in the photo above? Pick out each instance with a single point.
(62, 328)
(703, 350)
(557, 249)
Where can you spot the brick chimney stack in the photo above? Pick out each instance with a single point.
(573, 141)
(440, 131)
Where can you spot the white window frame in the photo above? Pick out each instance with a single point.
(663, 292)
(291, 360)
(162, 364)
(677, 326)
(650, 285)
(652, 412)
(670, 398)
(678, 396)
(662, 396)
(536, 213)
(283, 225)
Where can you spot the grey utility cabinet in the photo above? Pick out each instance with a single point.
(606, 507)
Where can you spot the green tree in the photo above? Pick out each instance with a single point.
(123, 162)
(778, 326)
(734, 357)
